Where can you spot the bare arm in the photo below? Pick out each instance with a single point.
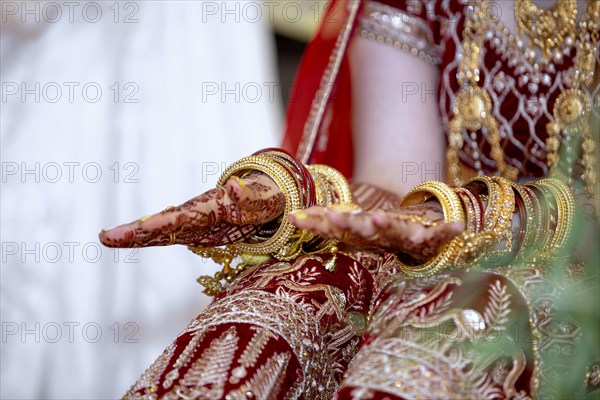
(398, 134)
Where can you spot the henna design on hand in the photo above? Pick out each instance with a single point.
(220, 216)
(382, 230)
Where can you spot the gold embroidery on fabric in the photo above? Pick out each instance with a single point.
(336, 300)
(150, 378)
(419, 347)
(283, 315)
(552, 331)
(266, 382)
(251, 353)
(497, 310)
(183, 359)
(206, 378)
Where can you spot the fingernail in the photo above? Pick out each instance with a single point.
(147, 217)
(107, 229)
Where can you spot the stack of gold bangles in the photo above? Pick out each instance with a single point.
(488, 206)
(303, 187)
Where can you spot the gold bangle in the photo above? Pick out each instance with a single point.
(491, 212)
(501, 213)
(506, 210)
(527, 249)
(332, 187)
(286, 183)
(453, 212)
(538, 233)
(473, 213)
(416, 219)
(565, 202)
(450, 202)
(294, 167)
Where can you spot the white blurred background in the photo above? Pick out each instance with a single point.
(109, 111)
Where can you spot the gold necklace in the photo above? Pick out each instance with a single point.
(473, 107)
(547, 29)
(572, 109)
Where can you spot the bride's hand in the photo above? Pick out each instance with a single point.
(382, 230)
(220, 216)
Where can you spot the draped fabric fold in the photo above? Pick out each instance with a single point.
(319, 110)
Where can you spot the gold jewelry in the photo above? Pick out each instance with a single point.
(472, 107)
(491, 212)
(273, 246)
(540, 199)
(547, 29)
(533, 222)
(277, 243)
(333, 191)
(572, 108)
(473, 212)
(506, 210)
(453, 212)
(469, 248)
(498, 214)
(373, 237)
(349, 208)
(571, 126)
(332, 186)
(224, 257)
(566, 209)
(538, 233)
(449, 200)
(173, 236)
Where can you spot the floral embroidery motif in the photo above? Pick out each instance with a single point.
(280, 330)
(425, 339)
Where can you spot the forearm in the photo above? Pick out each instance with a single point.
(398, 137)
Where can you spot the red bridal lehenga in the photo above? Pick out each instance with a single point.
(368, 329)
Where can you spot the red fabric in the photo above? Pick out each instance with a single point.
(205, 360)
(337, 122)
